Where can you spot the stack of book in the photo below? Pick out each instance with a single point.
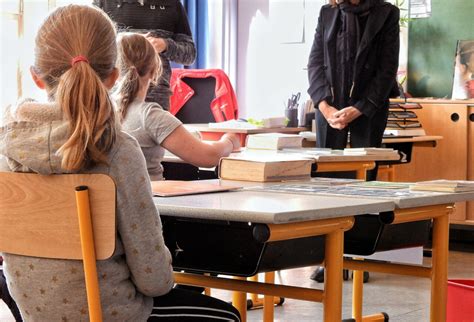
(262, 160)
(273, 141)
(444, 186)
(403, 121)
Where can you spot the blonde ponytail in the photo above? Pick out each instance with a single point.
(128, 89)
(90, 115)
(137, 62)
(77, 85)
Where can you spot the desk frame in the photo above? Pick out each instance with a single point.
(361, 168)
(331, 296)
(438, 272)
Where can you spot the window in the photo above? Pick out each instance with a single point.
(19, 21)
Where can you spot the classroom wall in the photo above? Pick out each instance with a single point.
(432, 46)
(269, 71)
(270, 68)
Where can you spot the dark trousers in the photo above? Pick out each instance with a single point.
(361, 133)
(5, 296)
(181, 305)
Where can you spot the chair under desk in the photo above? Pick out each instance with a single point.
(275, 223)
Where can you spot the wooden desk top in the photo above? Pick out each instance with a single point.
(169, 157)
(414, 139)
(206, 128)
(431, 100)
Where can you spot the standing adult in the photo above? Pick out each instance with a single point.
(166, 25)
(352, 71)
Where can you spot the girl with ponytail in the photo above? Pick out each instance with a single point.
(76, 131)
(154, 128)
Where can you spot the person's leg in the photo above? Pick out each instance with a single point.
(182, 305)
(5, 296)
(368, 132)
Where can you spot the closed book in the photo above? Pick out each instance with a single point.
(274, 168)
(404, 132)
(171, 188)
(273, 141)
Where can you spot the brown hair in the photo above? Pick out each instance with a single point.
(67, 33)
(136, 58)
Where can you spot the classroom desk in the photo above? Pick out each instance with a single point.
(323, 163)
(290, 216)
(405, 146)
(286, 217)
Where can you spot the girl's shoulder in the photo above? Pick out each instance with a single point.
(154, 111)
(29, 110)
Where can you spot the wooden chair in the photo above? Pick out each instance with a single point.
(69, 216)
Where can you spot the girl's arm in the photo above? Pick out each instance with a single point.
(199, 153)
(167, 131)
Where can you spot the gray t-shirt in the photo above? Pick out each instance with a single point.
(150, 125)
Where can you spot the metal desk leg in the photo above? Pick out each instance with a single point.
(239, 300)
(357, 294)
(333, 276)
(439, 276)
(268, 300)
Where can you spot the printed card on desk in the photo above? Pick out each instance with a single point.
(172, 188)
(444, 186)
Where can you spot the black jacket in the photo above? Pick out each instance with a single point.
(376, 62)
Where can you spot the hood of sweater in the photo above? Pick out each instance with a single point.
(31, 135)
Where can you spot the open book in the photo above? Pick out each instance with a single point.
(171, 188)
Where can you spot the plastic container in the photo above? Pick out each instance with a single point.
(460, 301)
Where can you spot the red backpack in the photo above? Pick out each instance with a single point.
(202, 96)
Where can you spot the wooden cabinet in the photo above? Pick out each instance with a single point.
(470, 159)
(453, 156)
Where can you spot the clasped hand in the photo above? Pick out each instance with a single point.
(339, 119)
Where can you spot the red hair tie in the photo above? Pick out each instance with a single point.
(78, 59)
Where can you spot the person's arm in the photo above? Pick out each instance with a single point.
(379, 87)
(319, 87)
(138, 222)
(181, 48)
(167, 131)
(199, 153)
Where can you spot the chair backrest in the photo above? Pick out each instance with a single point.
(202, 96)
(68, 216)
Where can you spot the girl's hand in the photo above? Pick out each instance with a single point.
(234, 139)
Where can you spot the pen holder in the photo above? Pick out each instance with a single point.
(292, 115)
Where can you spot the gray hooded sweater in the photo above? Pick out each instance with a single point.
(139, 269)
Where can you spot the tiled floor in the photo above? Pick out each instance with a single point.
(405, 299)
